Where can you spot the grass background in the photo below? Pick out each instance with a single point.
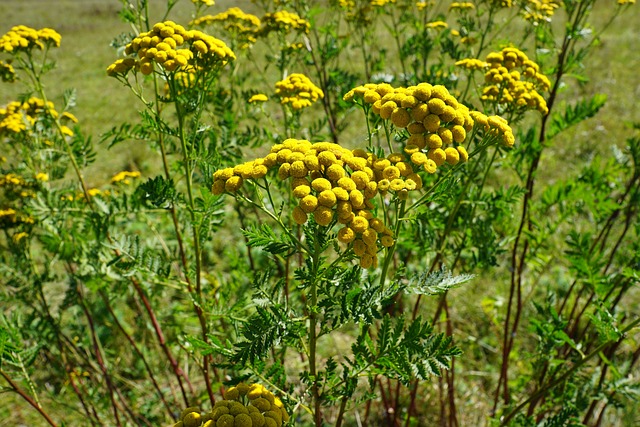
(88, 27)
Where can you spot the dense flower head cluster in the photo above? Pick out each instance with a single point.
(245, 405)
(7, 73)
(511, 78)
(436, 122)
(623, 2)
(258, 97)
(381, 3)
(12, 179)
(283, 22)
(358, 12)
(462, 6)
(332, 184)
(124, 177)
(243, 27)
(437, 25)
(298, 91)
(173, 48)
(540, 10)
(23, 39)
(204, 2)
(495, 126)
(17, 117)
(504, 3)
(17, 187)
(10, 218)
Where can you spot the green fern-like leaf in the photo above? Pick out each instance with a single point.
(264, 237)
(437, 282)
(573, 115)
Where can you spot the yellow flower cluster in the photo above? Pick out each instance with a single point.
(259, 97)
(437, 25)
(539, 10)
(172, 47)
(7, 73)
(17, 116)
(243, 406)
(504, 3)
(9, 217)
(461, 6)
(298, 91)
(495, 126)
(12, 179)
(332, 183)
(623, 2)
(436, 122)
(283, 22)
(504, 78)
(19, 236)
(381, 3)
(22, 38)
(243, 26)
(204, 2)
(15, 186)
(123, 177)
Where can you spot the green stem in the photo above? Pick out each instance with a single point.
(392, 249)
(313, 320)
(195, 227)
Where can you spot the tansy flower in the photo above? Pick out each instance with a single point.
(123, 177)
(7, 73)
(19, 236)
(204, 2)
(23, 39)
(243, 406)
(173, 48)
(331, 183)
(298, 91)
(17, 117)
(461, 6)
(283, 22)
(259, 97)
(539, 10)
(434, 120)
(242, 27)
(437, 25)
(511, 80)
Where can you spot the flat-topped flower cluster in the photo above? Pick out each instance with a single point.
(173, 48)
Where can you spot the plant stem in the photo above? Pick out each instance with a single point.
(545, 388)
(27, 398)
(313, 320)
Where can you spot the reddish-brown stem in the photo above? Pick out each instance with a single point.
(517, 263)
(133, 344)
(98, 356)
(453, 416)
(179, 373)
(385, 401)
(27, 398)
